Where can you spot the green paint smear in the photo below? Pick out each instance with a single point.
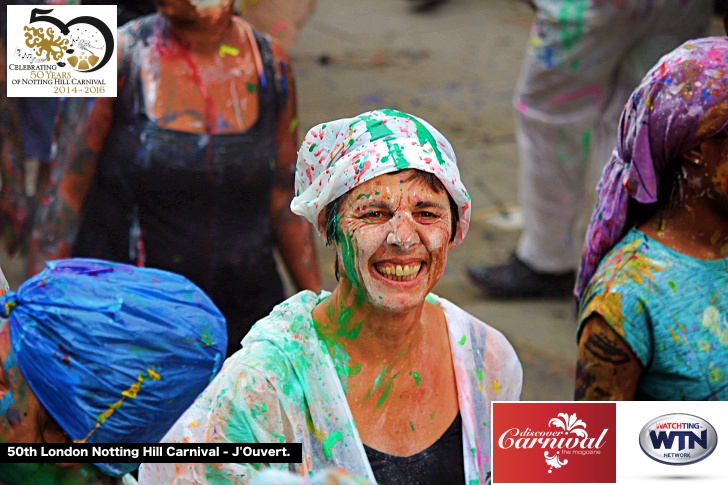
(416, 377)
(382, 380)
(348, 254)
(375, 127)
(386, 390)
(330, 442)
(462, 341)
(400, 161)
(479, 374)
(355, 368)
(571, 19)
(312, 147)
(412, 426)
(672, 284)
(347, 329)
(363, 196)
(423, 134)
(585, 148)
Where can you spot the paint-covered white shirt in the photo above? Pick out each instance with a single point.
(282, 386)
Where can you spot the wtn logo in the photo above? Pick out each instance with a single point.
(666, 438)
(678, 439)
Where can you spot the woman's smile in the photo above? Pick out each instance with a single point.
(398, 272)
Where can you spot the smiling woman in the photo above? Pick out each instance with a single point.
(380, 377)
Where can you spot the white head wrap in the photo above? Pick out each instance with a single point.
(335, 157)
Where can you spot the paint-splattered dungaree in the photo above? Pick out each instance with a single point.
(195, 204)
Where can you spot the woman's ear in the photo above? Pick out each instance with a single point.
(694, 156)
(321, 224)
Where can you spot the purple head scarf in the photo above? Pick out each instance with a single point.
(681, 102)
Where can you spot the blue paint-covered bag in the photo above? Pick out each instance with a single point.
(115, 353)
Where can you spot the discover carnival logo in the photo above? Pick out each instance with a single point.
(554, 443)
(678, 439)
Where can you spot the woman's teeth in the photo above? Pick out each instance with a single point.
(399, 272)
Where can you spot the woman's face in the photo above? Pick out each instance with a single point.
(393, 240)
(191, 10)
(708, 175)
(20, 410)
(714, 169)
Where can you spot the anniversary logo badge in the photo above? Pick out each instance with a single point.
(554, 442)
(61, 51)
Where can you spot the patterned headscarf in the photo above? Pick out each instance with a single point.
(681, 102)
(115, 353)
(335, 157)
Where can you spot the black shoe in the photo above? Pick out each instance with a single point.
(516, 280)
(425, 6)
(720, 7)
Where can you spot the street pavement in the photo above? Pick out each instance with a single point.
(456, 67)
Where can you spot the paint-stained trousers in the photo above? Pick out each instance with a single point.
(584, 59)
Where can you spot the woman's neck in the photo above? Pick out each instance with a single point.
(203, 34)
(698, 228)
(365, 331)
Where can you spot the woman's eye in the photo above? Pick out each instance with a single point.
(428, 215)
(374, 214)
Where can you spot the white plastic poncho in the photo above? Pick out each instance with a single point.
(283, 387)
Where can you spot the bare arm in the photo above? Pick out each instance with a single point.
(58, 215)
(14, 207)
(606, 368)
(293, 234)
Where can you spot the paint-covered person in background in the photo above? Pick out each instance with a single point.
(99, 352)
(190, 168)
(653, 285)
(380, 377)
(584, 59)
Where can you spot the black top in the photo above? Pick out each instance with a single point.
(439, 464)
(194, 204)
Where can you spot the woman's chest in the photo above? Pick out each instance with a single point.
(402, 412)
(202, 94)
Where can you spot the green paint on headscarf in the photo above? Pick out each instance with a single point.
(423, 134)
(400, 161)
(375, 127)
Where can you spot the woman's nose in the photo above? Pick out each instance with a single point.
(403, 232)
